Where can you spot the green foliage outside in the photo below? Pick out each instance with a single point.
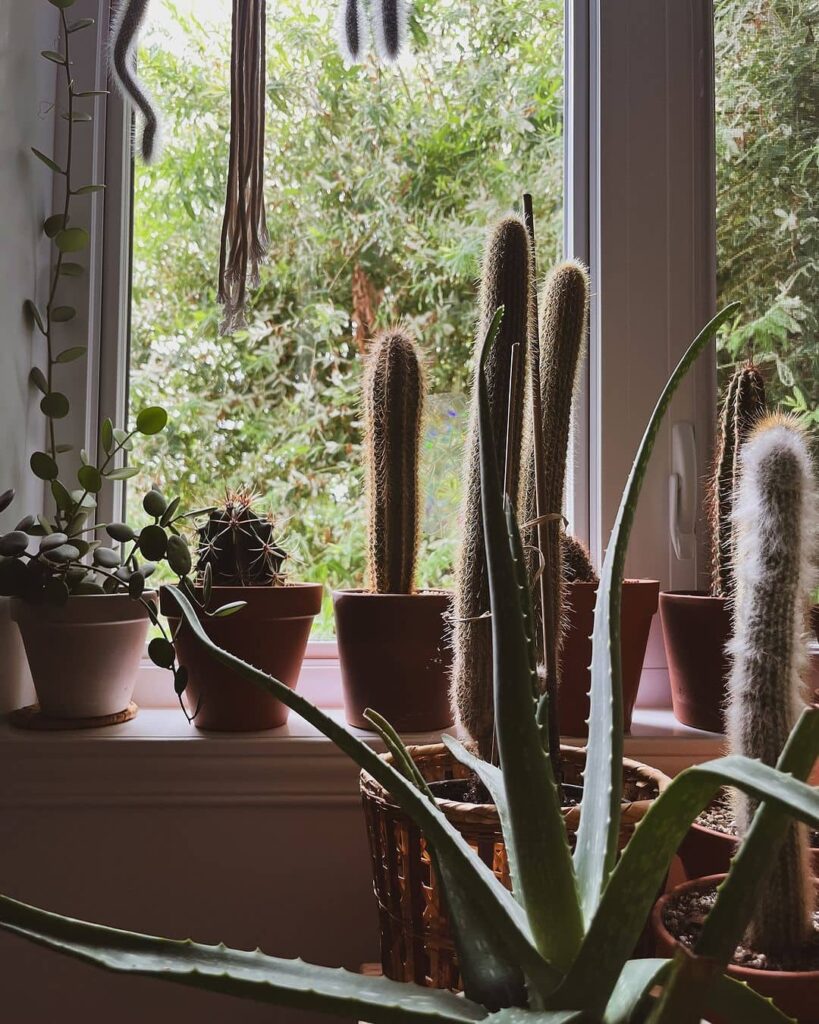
(397, 171)
(768, 192)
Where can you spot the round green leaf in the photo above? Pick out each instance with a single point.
(107, 435)
(120, 532)
(53, 224)
(26, 524)
(151, 420)
(68, 355)
(31, 309)
(86, 190)
(161, 652)
(62, 314)
(90, 478)
(64, 553)
(55, 405)
(153, 543)
(38, 379)
(179, 556)
(207, 585)
(81, 23)
(125, 473)
(72, 269)
(13, 544)
(154, 503)
(170, 512)
(62, 4)
(136, 585)
(146, 569)
(43, 466)
(89, 588)
(65, 500)
(77, 117)
(107, 558)
(84, 499)
(53, 540)
(71, 239)
(50, 164)
(228, 609)
(54, 56)
(180, 680)
(55, 592)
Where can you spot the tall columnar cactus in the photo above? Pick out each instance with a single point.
(393, 409)
(506, 281)
(239, 545)
(743, 406)
(563, 322)
(776, 522)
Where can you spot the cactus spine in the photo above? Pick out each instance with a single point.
(506, 280)
(393, 408)
(744, 404)
(776, 536)
(239, 545)
(563, 323)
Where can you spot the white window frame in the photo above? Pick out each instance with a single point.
(640, 210)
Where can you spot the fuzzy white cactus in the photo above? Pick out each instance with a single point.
(775, 517)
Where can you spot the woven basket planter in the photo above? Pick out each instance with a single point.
(416, 942)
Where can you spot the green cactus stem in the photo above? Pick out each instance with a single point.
(775, 518)
(239, 545)
(506, 281)
(563, 323)
(393, 409)
(744, 404)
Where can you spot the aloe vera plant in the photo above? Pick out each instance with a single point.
(556, 949)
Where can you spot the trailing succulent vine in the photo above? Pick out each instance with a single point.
(238, 547)
(743, 405)
(777, 530)
(393, 394)
(506, 281)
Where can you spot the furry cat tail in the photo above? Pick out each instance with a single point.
(125, 31)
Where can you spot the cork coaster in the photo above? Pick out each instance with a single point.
(32, 718)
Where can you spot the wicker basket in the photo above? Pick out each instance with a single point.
(416, 943)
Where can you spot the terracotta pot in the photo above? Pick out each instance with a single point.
(395, 657)
(704, 851)
(814, 618)
(270, 633)
(795, 993)
(416, 941)
(696, 628)
(638, 608)
(83, 656)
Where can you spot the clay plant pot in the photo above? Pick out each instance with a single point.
(704, 852)
(795, 993)
(395, 657)
(84, 655)
(696, 628)
(638, 608)
(270, 633)
(416, 940)
(814, 618)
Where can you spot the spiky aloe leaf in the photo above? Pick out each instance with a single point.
(641, 870)
(256, 976)
(515, 1016)
(500, 923)
(537, 835)
(487, 979)
(735, 1001)
(736, 899)
(596, 849)
(636, 981)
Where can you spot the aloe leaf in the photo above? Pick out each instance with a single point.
(492, 777)
(513, 1015)
(596, 849)
(504, 927)
(641, 870)
(736, 897)
(266, 979)
(400, 755)
(536, 833)
(636, 981)
(733, 1000)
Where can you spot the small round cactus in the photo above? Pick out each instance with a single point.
(239, 545)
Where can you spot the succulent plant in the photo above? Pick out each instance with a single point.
(556, 950)
(238, 545)
(506, 281)
(393, 409)
(777, 530)
(743, 405)
(577, 565)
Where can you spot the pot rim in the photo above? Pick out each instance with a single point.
(427, 592)
(724, 837)
(627, 582)
(658, 924)
(692, 596)
(289, 602)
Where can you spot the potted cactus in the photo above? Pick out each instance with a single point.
(391, 637)
(775, 562)
(557, 951)
(240, 563)
(696, 625)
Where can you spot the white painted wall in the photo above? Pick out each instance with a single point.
(26, 119)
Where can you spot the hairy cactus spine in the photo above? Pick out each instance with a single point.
(393, 408)
(776, 540)
(351, 30)
(239, 545)
(563, 323)
(506, 281)
(743, 406)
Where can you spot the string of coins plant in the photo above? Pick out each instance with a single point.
(68, 559)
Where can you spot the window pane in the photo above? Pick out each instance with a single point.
(768, 192)
(380, 185)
